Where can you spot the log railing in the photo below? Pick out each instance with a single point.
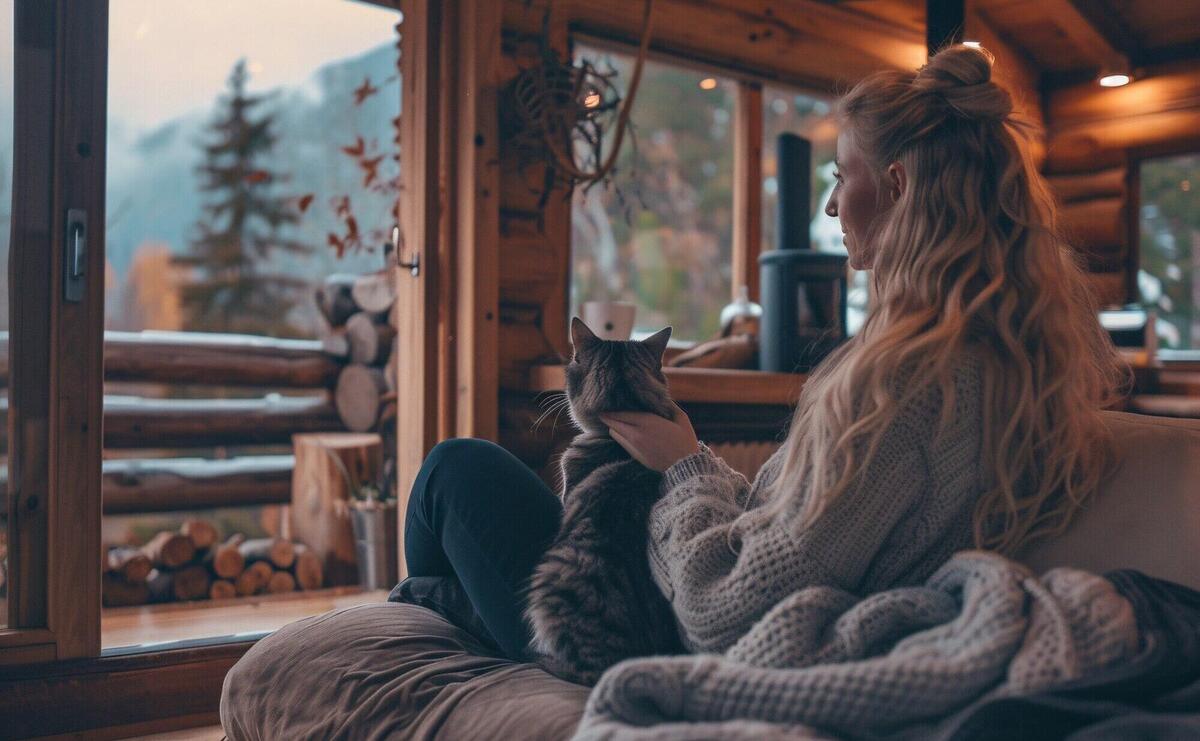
(132, 423)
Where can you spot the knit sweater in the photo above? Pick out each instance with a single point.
(908, 512)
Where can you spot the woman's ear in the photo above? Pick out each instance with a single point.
(897, 180)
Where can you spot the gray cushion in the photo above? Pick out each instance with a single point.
(390, 671)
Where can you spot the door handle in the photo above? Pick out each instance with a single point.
(75, 262)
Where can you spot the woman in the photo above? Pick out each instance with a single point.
(965, 412)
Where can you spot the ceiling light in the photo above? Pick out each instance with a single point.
(592, 100)
(1115, 80)
(973, 44)
(708, 83)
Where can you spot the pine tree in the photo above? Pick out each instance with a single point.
(231, 287)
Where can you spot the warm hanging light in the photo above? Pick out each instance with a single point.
(1115, 80)
(592, 100)
(708, 83)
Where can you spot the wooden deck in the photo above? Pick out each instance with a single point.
(124, 627)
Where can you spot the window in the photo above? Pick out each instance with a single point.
(1169, 275)
(660, 234)
(808, 116)
(252, 151)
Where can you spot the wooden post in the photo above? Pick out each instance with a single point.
(320, 517)
(747, 187)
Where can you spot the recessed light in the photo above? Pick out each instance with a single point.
(1115, 80)
(708, 83)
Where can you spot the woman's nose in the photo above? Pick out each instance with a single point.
(831, 208)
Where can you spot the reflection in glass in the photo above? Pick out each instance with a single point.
(810, 116)
(660, 234)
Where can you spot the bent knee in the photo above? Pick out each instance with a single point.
(463, 451)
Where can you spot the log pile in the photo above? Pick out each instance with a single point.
(357, 308)
(194, 564)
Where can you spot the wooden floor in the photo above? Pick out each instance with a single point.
(122, 627)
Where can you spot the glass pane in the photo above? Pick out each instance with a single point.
(6, 163)
(1169, 279)
(810, 116)
(252, 152)
(660, 234)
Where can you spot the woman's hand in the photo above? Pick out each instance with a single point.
(655, 442)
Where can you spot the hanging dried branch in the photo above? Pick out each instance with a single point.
(559, 114)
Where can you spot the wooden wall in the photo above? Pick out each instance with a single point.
(1095, 138)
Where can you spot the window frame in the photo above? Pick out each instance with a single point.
(747, 136)
(55, 381)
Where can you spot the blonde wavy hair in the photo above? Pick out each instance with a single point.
(968, 260)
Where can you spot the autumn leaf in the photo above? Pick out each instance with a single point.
(370, 169)
(304, 202)
(357, 149)
(336, 242)
(364, 91)
(256, 177)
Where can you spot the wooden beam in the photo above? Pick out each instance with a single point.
(747, 187)
(416, 311)
(477, 233)
(209, 359)
(803, 43)
(698, 385)
(77, 336)
(131, 422)
(944, 23)
(135, 486)
(178, 484)
(114, 691)
(227, 360)
(1085, 37)
(30, 295)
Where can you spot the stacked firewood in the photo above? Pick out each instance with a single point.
(192, 564)
(357, 308)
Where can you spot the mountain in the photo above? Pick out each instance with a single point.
(152, 179)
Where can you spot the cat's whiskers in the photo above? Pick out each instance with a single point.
(555, 408)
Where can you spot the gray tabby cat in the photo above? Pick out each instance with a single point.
(592, 601)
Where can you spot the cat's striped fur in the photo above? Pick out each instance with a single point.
(591, 600)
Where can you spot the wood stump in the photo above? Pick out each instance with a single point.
(320, 513)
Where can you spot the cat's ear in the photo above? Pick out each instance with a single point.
(581, 337)
(657, 342)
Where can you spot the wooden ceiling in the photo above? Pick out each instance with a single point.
(1072, 40)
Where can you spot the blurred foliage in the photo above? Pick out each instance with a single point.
(660, 234)
(1170, 245)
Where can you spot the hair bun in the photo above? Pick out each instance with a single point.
(962, 77)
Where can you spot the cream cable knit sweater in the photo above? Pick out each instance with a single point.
(909, 513)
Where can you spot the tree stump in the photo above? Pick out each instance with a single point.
(320, 513)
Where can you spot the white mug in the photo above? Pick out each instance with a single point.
(609, 320)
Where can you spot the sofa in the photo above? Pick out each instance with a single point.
(401, 671)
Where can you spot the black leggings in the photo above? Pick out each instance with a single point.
(479, 514)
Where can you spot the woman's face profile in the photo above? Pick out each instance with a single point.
(855, 201)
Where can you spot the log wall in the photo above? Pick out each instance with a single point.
(1096, 137)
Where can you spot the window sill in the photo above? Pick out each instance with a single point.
(696, 385)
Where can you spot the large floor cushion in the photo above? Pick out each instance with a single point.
(390, 670)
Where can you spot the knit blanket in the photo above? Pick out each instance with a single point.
(824, 663)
